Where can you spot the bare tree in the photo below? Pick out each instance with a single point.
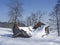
(28, 21)
(56, 15)
(37, 17)
(52, 21)
(15, 10)
(34, 18)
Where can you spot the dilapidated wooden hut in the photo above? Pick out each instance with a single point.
(17, 32)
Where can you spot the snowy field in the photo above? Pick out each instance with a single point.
(6, 38)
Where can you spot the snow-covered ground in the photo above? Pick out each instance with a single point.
(36, 39)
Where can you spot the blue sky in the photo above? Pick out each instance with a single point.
(29, 6)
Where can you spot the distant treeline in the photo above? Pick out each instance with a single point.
(9, 25)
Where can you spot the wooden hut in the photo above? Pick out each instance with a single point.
(21, 33)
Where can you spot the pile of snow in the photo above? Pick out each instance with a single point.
(35, 32)
(27, 29)
(40, 32)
